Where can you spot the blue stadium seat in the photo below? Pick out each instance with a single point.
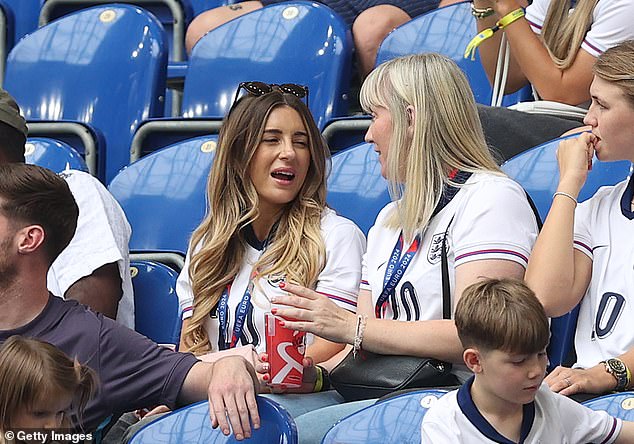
(618, 405)
(447, 31)
(25, 15)
(103, 67)
(393, 420)
(356, 189)
(163, 195)
(53, 154)
(537, 171)
(174, 15)
(199, 6)
(156, 309)
(191, 425)
(291, 42)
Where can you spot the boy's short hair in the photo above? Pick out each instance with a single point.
(13, 131)
(502, 314)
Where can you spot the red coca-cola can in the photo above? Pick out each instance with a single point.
(285, 348)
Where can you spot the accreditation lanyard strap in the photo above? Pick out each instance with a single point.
(395, 270)
(397, 265)
(243, 307)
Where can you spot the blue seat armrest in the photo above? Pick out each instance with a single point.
(85, 138)
(153, 134)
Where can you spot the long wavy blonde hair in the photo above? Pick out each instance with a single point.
(563, 32)
(296, 249)
(447, 133)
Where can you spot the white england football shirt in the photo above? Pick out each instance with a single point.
(604, 230)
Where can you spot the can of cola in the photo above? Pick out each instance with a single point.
(285, 348)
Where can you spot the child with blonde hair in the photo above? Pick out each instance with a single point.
(41, 387)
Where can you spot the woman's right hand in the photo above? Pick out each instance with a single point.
(575, 160)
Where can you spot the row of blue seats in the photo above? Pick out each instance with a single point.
(97, 78)
(393, 420)
(21, 17)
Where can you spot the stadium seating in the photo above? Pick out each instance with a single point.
(156, 309)
(393, 420)
(53, 154)
(356, 189)
(619, 405)
(447, 31)
(537, 171)
(292, 42)
(174, 15)
(191, 425)
(163, 196)
(102, 67)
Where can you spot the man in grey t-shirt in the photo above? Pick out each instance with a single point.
(38, 217)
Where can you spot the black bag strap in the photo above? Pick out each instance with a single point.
(534, 208)
(446, 288)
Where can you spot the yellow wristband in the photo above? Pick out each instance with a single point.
(509, 18)
(319, 382)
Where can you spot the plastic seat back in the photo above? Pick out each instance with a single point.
(53, 154)
(356, 189)
(191, 425)
(156, 309)
(393, 420)
(618, 405)
(292, 42)
(103, 66)
(163, 194)
(25, 14)
(447, 31)
(537, 171)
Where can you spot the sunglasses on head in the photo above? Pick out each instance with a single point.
(258, 89)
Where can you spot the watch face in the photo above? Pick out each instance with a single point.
(616, 365)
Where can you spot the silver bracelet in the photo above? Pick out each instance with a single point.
(358, 334)
(569, 196)
(481, 13)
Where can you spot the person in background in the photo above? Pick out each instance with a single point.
(583, 253)
(370, 21)
(94, 268)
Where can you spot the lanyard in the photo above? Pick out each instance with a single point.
(396, 266)
(243, 308)
(241, 314)
(395, 270)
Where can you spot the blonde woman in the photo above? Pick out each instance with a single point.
(444, 183)
(552, 47)
(584, 253)
(267, 221)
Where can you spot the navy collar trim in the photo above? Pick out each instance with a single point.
(252, 240)
(471, 412)
(626, 199)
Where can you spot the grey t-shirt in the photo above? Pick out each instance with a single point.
(133, 371)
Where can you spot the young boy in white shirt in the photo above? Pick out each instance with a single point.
(504, 332)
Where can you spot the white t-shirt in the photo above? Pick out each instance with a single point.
(551, 418)
(611, 23)
(101, 238)
(604, 231)
(492, 219)
(339, 280)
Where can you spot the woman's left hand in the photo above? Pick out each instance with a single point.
(568, 381)
(315, 313)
